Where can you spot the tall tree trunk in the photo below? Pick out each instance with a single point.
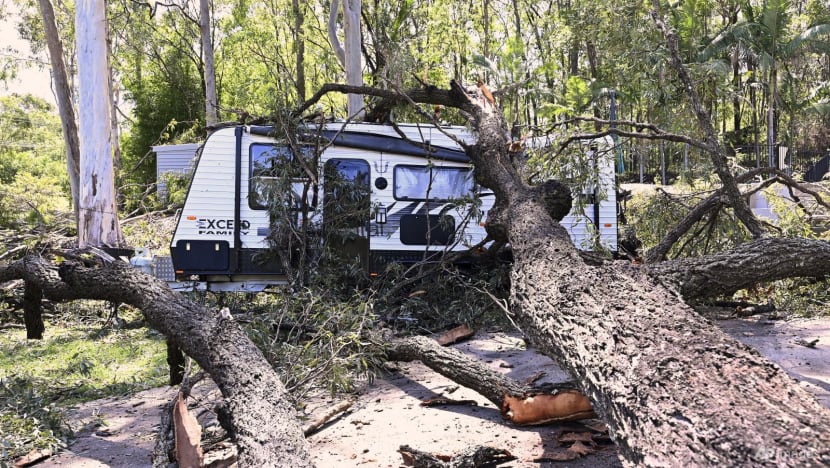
(299, 44)
(736, 98)
(63, 95)
(98, 216)
(211, 100)
(753, 99)
(350, 53)
(773, 96)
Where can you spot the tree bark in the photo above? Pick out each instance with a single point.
(349, 54)
(98, 216)
(32, 313)
(211, 100)
(748, 264)
(63, 96)
(263, 421)
(299, 45)
(673, 388)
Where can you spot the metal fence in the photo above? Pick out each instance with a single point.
(667, 162)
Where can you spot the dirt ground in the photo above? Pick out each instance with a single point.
(120, 432)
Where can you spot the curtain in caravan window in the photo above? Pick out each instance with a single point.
(413, 183)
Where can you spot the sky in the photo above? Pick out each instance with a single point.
(30, 78)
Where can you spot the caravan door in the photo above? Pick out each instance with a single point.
(347, 208)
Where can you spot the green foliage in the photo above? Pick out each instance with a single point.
(803, 296)
(31, 200)
(653, 215)
(313, 339)
(28, 418)
(168, 106)
(80, 359)
(176, 185)
(446, 297)
(33, 181)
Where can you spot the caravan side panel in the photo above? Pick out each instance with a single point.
(204, 234)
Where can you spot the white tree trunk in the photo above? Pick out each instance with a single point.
(63, 96)
(349, 55)
(211, 101)
(98, 220)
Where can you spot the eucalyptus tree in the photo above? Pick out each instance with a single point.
(349, 54)
(209, 72)
(98, 213)
(63, 96)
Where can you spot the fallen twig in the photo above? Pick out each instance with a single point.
(314, 426)
(472, 456)
(440, 401)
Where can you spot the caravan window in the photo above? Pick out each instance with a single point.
(347, 193)
(276, 174)
(434, 183)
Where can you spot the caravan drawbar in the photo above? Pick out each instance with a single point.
(412, 183)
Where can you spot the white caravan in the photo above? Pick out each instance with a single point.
(410, 212)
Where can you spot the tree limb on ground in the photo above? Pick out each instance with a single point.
(718, 199)
(263, 422)
(744, 266)
(519, 403)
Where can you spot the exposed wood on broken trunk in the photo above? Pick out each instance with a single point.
(188, 435)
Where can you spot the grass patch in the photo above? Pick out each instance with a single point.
(74, 363)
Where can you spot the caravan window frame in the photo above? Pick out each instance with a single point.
(430, 169)
(296, 180)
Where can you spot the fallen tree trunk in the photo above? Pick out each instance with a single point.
(263, 422)
(673, 388)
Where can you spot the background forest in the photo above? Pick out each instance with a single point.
(762, 69)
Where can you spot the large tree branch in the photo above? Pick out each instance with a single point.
(748, 264)
(429, 95)
(716, 200)
(521, 404)
(263, 422)
(718, 155)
